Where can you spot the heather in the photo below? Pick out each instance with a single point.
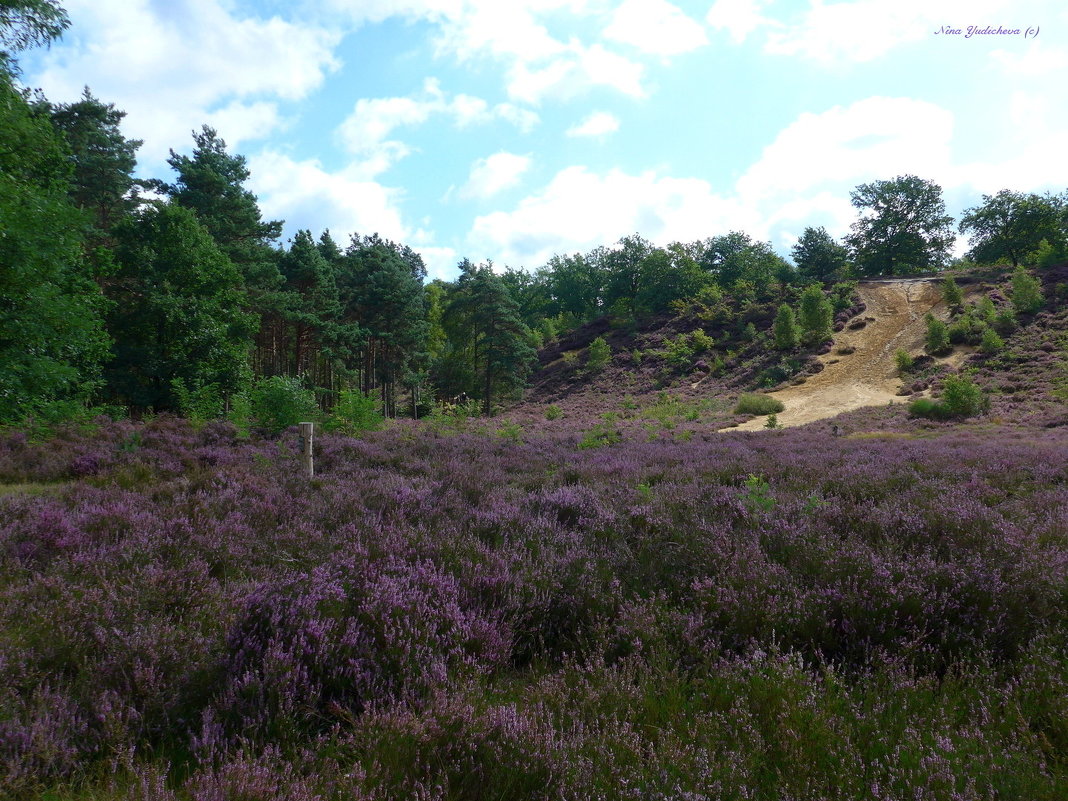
(450, 612)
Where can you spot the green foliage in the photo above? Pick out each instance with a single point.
(1047, 254)
(757, 494)
(937, 340)
(511, 430)
(241, 415)
(966, 329)
(951, 293)
(961, 397)
(819, 256)
(985, 310)
(1013, 226)
(355, 411)
(598, 355)
(28, 23)
(787, 332)
(904, 228)
(1026, 293)
(600, 435)
(177, 311)
(553, 412)
(817, 317)
(681, 350)
(841, 295)
(279, 402)
(991, 342)
(1005, 321)
(903, 361)
(773, 421)
(198, 403)
(52, 340)
(758, 404)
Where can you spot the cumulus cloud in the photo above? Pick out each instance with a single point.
(307, 196)
(365, 132)
(494, 174)
(172, 69)
(739, 17)
(599, 123)
(656, 27)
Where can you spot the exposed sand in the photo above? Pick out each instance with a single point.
(868, 376)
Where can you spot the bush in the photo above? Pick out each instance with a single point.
(967, 330)
(1026, 292)
(355, 412)
(757, 403)
(553, 412)
(787, 334)
(962, 397)
(903, 361)
(991, 342)
(937, 337)
(1005, 321)
(817, 316)
(199, 403)
(598, 355)
(951, 294)
(279, 402)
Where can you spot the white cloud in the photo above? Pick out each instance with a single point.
(656, 27)
(574, 73)
(365, 132)
(738, 17)
(598, 124)
(173, 69)
(875, 137)
(307, 196)
(580, 209)
(494, 174)
(440, 261)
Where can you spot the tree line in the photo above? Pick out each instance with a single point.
(150, 294)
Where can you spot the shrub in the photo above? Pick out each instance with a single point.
(553, 412)
(199, 403)
(962, 397)
(598, 355)
(927, 407)
(1005, 321)
(903, 361)
(1026, 292)
(817, 316)
(787, 334)
(757, 403)
(773, 421)
(679, 351)
(701, 342)
(952, 294)
(966, 329)
(937, 342)
(279, 402)
(991, 342)
(355, 412)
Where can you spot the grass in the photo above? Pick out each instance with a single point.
(757, 403)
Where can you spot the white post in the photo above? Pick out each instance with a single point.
(307, 437)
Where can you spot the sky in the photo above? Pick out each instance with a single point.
(513, 130)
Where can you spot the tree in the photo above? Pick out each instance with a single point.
(787, 334)
(312, 308)
(177, 312)
(623, 268)
(577, 284)
(819, 256)
(103, 159)
(481, 311)
(951, 293)
(735, 257)
(817, 315)
(937, 340)
(52, 340)
(1012, 225)
(666, 275)
(211, 183)
(903, 228)
(27, 23)
(598, 355)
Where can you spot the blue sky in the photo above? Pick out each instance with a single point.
(515, 129)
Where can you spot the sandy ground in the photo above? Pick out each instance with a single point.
(868, 376)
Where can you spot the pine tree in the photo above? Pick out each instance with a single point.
(787, 334)
(817, 315)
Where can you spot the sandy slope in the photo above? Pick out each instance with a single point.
(868, 376)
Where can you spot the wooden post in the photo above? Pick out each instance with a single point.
(307, 437)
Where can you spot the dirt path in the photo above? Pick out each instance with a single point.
(868, 376)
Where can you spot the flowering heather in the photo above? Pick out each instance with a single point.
(457, 614)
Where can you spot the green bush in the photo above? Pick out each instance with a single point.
(952, 294)
(1026, 292)
(816, 317)
(279, 402)
(966, 330)
(757, 403)
(903, 361)
(785, 329)
(199, 403)
(962, 397)
(553, 412)
(991, 342)
(937, 342)
(926, 407)
(355, 412)
(598, 355)
(1005, 321)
